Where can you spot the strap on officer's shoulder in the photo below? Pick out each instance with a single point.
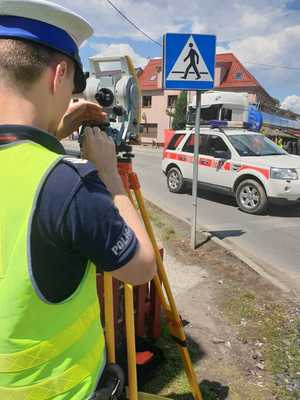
(81, 166)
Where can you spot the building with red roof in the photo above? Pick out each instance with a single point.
(157, 103)
(230, 75)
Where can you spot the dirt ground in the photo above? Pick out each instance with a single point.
(243, 332)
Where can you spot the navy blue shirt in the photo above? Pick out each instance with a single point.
(75, 221)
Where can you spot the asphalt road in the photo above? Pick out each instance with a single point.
(272, 240)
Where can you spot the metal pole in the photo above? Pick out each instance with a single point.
(195, 169)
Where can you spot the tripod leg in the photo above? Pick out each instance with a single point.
(131, 198)
(173, 318)
(130, 338)
(109, 319)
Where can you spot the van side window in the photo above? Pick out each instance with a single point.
(175, 141)
(189, 145)
(215, 145)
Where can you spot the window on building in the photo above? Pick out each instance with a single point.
(172, 101)
(147, 101)
(239, 76)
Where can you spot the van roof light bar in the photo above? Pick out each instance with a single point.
(229, 124)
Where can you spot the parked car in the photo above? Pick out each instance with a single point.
(234, 161)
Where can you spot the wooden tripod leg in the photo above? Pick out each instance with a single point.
(172, 316)
(130, 339)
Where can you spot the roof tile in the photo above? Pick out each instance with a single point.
(234, 67)
(149, 77)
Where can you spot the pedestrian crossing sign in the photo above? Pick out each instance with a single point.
(189, 61)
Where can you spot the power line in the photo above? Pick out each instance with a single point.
(273, 66)
(221, 41)
(132, 23)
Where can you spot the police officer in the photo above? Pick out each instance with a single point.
(61, 219)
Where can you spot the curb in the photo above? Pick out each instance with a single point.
(259, 268)
(233, 249)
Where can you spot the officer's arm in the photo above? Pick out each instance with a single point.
(141, 268)
(100, 150)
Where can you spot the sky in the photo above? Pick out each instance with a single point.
(263, 34)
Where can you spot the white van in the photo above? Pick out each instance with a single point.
(234, 161)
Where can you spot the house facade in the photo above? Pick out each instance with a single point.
(157, 104)
(230, 75)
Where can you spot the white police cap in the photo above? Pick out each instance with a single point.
(48, 24)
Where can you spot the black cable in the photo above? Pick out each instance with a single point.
(273, 66)
(132, 23)
(221, 41)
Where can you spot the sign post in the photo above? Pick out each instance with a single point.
(195, 170)
(189, 64)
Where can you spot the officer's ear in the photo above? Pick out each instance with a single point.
(61, 72)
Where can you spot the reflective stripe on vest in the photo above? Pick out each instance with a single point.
(47, 351)
(47, 388)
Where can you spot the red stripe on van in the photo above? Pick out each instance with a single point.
(263, 171)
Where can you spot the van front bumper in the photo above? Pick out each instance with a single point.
(284, 191)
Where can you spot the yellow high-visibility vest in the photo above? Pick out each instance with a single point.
(47, 351)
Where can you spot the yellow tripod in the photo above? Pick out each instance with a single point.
(162, 285)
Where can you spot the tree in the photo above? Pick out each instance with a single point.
(277, 102)
(179, 120)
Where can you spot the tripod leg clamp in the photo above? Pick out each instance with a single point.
(181, 343)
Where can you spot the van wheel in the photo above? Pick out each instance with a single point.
(175, 180)
(251, 197)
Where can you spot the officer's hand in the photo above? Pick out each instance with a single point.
(101, 150)
(78, 113)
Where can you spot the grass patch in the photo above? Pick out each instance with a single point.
(171, 379)
(276, 334)
(166, 231)
(156, 220)
(259, 316)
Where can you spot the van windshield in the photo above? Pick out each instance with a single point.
(255, 145)
(207, 114)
